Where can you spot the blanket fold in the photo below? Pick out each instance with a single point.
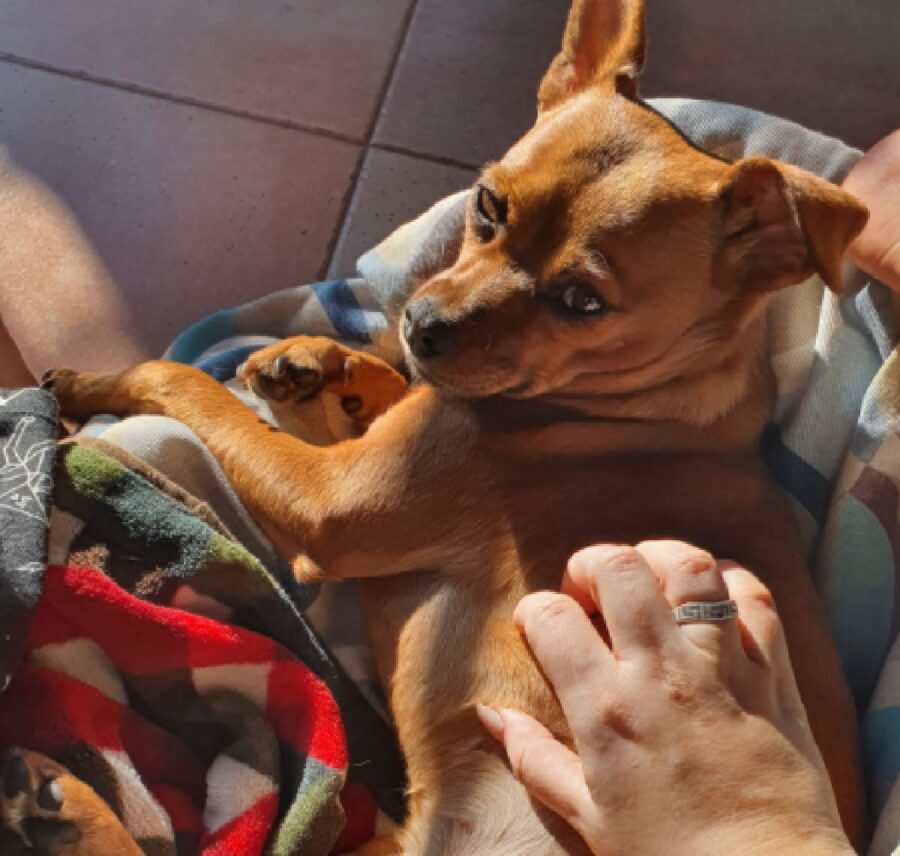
(28, 426)
(168, 668)
(107, 515)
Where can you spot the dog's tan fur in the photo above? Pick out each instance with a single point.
(539, 432)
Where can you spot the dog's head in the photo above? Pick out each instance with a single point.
(604, 254)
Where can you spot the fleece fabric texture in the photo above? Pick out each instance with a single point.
(164, 665)
(28, 424)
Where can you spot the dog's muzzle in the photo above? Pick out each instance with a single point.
(426, 333)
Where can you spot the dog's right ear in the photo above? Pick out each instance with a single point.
(781, 225)
(603, 44)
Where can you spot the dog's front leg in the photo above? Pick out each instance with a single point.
(359, 508)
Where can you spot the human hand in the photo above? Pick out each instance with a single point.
(875, 179)
(688, 739)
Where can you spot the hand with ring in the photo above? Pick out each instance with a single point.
(689, 733)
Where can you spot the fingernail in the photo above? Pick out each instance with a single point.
(491, 720)
(518, 616)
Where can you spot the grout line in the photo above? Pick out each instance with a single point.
(353, 185)
(185, 100)
(365, 144)
(188, 101)
(392, 70)
(439, 159)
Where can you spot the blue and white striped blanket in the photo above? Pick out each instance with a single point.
(834, 442)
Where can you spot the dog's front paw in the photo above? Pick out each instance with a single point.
(287, 372)
(146, 388)
(32, 803)
(298, 369)
(63, 384)
(80, 394)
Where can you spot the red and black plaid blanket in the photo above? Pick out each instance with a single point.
(191, 726)
(170, 670)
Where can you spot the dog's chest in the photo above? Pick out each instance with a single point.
(554, 507)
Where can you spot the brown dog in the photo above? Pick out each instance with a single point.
(594, 369)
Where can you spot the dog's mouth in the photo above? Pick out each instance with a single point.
(465, 375)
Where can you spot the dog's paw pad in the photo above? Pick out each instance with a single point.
(284, 380)
(352, 404)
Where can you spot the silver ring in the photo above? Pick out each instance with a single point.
(717, 610)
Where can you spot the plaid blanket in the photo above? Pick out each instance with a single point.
(166, 667)
(834, 442)
(189, 727)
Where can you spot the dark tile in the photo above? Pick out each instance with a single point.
(189, 210)
(316, 62)
(827, 64)
(466, 81)
(391, 189)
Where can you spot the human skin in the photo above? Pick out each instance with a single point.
(688, 739)
(875, 179)
(58, 302)
(13, 371)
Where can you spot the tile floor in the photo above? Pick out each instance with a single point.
(215, 150)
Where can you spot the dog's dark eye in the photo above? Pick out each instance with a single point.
(582, 299)
(490, 212)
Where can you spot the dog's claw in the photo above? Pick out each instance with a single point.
(50, 796)
(48, 379)
(280, 367)
(305, 379)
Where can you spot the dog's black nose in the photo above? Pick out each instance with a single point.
(426, 333)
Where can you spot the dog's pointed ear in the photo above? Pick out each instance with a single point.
(781, 225)
(603, 43)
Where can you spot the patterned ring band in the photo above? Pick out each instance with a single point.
(719, 610)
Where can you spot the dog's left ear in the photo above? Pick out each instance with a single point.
(782, 224)
(603, 43)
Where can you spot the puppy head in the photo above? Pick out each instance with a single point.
(604, 255)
